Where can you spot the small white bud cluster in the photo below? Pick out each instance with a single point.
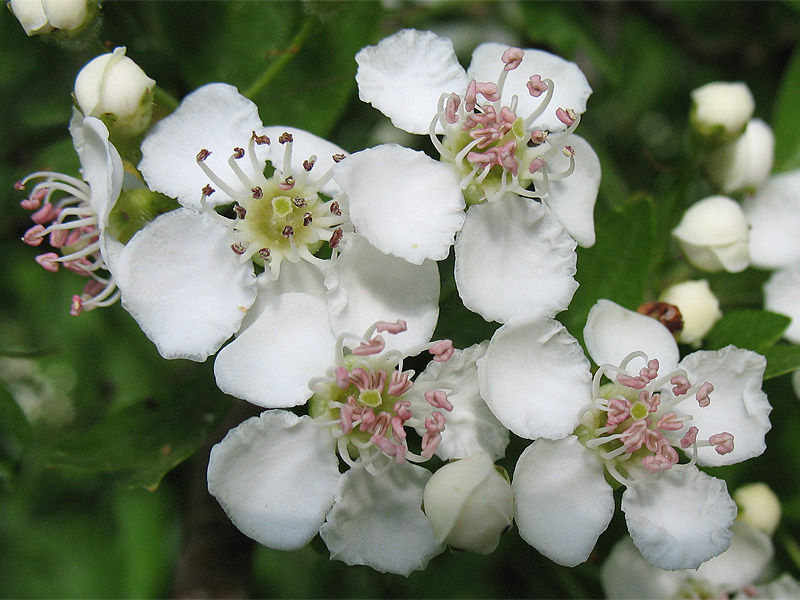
(699, 309)
(60, 19)
(720, 111)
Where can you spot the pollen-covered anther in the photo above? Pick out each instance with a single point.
(568, 151)
(442, 350)
(241, 211)
(536, 87)
(336, 237)
(287, 183)
(288, 231)
(238, 153)
(335, 209)
(285, 137)
(257, 192)
(337, 158)
(309, 163)
(307, 218)
(208, 190)
(566, 116)
(264, 254)
(260, 139)
(512, 58)
(19, 186)
(299, 202)
(668, 315)
(203, 154)
(238, 248)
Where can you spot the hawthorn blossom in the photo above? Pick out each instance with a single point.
(278, 476)
(507, 139)
(73, 214)
(643, 422)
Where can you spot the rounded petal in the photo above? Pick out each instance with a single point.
(272, 360)
(613, 332)
(377, 520)
(563, 502)
(740, 565)
(627, 575)
(513, 257)
(738, 405)
(102, 168)
(304, 146)
(184, 286)
(404, 202)
(275, 476)
(774, 217)
(680, 520)
(405, 75)
(471, 426)
(573, 198)
(782, 295)
(572, 90)
(214, 117)
(535, 378)
(366, 286)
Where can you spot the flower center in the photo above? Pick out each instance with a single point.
(370, 403)
(279, 217)
(496, 150)
(636, 434)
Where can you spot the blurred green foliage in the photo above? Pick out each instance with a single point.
(69, 525)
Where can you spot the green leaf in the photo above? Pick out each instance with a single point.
(786, 117)
(755, 330)
(617, 267)
(15, 433)
(781, 359)
(141, 443)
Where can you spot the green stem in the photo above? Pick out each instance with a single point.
(792, 549)
(272, 70)
(165, 99)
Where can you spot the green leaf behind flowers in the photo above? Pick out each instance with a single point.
(15, 433)
(786, 117)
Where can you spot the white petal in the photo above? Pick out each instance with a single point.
(272, 360)
(513, 257)
(214, 117)
(626, 574)
(563, 502)
(102, 168)
(405, 75)
(377, 521)
(275, 477)
(738, 405)
(184, 285)
(774, 216)
(742, 563)
(366, 286)
(535, 378)
(781, 588)
(571, 88)
(782, 295)
(613, 332)
(471, 426)
(304, 146)
(573, 198)
(404, 202)
(680, 520)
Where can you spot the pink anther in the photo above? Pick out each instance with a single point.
(93, 288)
(507, 116)
(399, 384)
(49, 261)
(342, 377)
(536, 87)
(368, 420)
(451, 108)
(346, 418)
(31, 203)
(637, 383)
(536, 164)
(722, 442)
(374, 346)
(538, 137)
(403, 409)
(702, 394)
(47, 213)
(619, 411)
(81, 266)
(507, 159)
(442, 350)
(397, 428)
(567, 117)
(633, 438)
(76, 306)
(434, 426)
(568, 151)
(681, 384)
(650, 372)
(287, 184)
(395, 327)
(395, 451)
(652, 438)
(34, 235)
(512, 58)
(19, 186)
(438, 399)
(690, 438)
(651, 401)
(382, 423)
(664, 459)
(670, 422)
(58, 238)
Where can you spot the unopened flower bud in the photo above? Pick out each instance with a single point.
(469, 504)
(699, 308)
(744, 164)
(59, 19)
(758, 506)
(114, 89)
(713, 235)
(720, 111)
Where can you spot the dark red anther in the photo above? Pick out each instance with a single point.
(307, 219)
(203, 154)
(338, 157)
(260, 139)
(258, 193)
(336, 237)
(285, 137)
(264, 253)
(240, 211)
(309, 164)
(208, 190)
(288, 231)
(299, 202)
(238, 248)
(238, 152)
(335, 209)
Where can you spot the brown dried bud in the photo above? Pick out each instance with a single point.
(668, 314)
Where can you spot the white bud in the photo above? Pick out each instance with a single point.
(720, 111)
(59, 18)
(759, 507)
(713, 235)
(699, 309)
(114, 89)
(744, 164)
(469, 504)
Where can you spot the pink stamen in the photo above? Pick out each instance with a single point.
(651, 401)
(45, 214)
(664, 459)
(49, 261)
(438, 399)
(342, 377)
(396, 327)
(633, 438)
(512, 58)
(702, 394)
(374, 346)
(442, 350)
(399, 384)
(34, 236)
(346, 418)
(650, 372)
(690, 438)
(670, 422)
(538, 137)
(632, 382)
(451, 108)
(397, 428)
(536, 87)
(79, 266)
(536, 164)
(567, 117)
(76, 306)
(434, 425)
(619, 411)
(403, 409)
(681, 384)
(31, 203)
(722, 442)
(93, 288)
(59, 237)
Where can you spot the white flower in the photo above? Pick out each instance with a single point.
(277, 475)
(537, 381)
(744, 164)
(507, 127)
(699, 309)
(774, 217)
(759, 507)
(626, 574)
(73, 214)
(713, 235)
(61, 18)
(114, 88)
(469, 504)
(720, 110)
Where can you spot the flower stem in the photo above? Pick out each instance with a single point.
(285, 56)
(165, 99)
